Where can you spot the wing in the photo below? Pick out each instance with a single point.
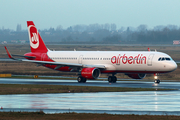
(59, 64)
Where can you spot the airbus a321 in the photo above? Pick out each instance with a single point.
(90, 64)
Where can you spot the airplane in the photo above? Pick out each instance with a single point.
(90, 64)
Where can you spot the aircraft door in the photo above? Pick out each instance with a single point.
(80, 59)
(150, 58)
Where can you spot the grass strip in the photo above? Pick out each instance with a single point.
(38, 89)
(76, 116)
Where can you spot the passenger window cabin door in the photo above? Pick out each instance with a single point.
(150, 58)
(80, 59)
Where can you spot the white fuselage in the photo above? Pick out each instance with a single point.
(119, 61)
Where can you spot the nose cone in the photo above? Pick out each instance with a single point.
(172, 66)
(175, 66)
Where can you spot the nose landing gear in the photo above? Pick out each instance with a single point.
(156, 80)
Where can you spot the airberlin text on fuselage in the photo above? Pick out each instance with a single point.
(139, 59)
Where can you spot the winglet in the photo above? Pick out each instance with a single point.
(10, 56)
(149, 49)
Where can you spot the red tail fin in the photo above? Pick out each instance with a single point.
(36, 42)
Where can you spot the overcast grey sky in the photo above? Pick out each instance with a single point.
(51, 13)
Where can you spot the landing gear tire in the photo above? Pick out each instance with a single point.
(112, 79)
(157, 81)
(81, 79)
(84, 80)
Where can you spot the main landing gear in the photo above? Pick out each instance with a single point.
(112, 79)
(156, 80)
(81, 79)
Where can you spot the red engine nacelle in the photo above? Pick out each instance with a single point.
(136, 76)
(90, 73)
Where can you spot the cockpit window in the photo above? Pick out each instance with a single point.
(164, 58)
(168, 59)
(159, 59)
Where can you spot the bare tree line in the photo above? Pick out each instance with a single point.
(99, 33)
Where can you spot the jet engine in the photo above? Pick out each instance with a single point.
(136, 76)
(90, 73)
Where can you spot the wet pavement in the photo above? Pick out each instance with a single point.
(151, 102)
(145, 102)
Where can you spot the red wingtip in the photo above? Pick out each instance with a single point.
(149, 49)
(8, 52)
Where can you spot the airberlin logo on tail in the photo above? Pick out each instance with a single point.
(34, 38)
(139, 59)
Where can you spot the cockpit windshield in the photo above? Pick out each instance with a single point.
(168, 59)
(164, 58)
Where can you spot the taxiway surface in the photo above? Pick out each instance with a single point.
(133, 84)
